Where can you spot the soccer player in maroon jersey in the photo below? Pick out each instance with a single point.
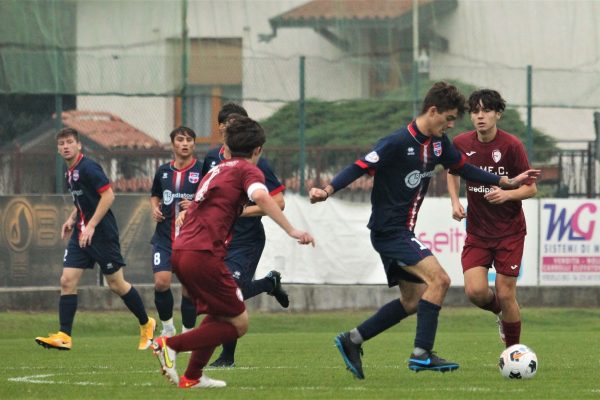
(495, 220)
(199, 252)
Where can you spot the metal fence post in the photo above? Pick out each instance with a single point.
(302, 128)
(59, 163)
(529, 109)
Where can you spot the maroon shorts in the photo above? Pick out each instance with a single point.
(505, 254)
(208, 282)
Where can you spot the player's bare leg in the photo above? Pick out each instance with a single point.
(506, 288)
(480, 294)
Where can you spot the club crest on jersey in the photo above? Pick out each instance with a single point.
(437, 148)
(194, 177)
(372, 157)
(496, 155)
(76, 175)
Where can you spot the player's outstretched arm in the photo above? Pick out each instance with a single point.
(524, 178)
(500, 196)
(263, 199)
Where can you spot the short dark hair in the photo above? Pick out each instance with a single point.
(66, 132)
(230, 108)
(444, 97)
(491, 99)
(182, 130)
(243, 135)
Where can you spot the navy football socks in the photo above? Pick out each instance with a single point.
(67, 306)
(164, 304)
(134, 303)
(188, 312)
(387, 316)
(427, 322)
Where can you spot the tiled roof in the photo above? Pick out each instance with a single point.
(108, 130)
(350, 9)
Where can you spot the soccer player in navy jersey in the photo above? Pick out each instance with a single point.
(173, 188)
(248, 241)
(94, 239)
(402, 165)
(496, 224)
(200, 249)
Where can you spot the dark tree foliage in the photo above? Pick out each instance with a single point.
(21, 113)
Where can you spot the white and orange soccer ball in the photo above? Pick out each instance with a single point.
(518, 362)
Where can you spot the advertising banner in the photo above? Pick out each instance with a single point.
(569, 242)
(344, 254)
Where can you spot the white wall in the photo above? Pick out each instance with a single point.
(270, 70)
(491, 43)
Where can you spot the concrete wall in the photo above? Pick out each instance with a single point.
(303, 298)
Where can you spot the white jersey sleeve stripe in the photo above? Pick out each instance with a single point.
(254, 187)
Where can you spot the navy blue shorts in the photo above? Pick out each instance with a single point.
(399, 249)
(242, 261)
(161, 258)
(107, 253)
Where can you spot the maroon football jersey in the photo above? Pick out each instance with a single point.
(504, 156)
(219, 200)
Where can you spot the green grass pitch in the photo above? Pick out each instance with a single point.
(292, 356)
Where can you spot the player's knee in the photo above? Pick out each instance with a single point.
(241, 323)
(477, 295)
(67, 285)
(442, 281)
(506, 297)
(410, 305)
(162, 285)
(118, 286)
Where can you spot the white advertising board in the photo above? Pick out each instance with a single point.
(344, 254)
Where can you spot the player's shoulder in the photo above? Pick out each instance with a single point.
(397, 137)
(214, 152)
(263, 165)
(510, 141)
(87, 163)
(508, 137)
(164, 167)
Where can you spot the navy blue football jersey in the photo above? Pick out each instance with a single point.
(402, 165)
(246, 229)
(173, 185)
(86, 180)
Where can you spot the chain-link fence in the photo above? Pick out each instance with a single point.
(358, 69)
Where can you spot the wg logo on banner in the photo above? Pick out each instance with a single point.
(577, 225)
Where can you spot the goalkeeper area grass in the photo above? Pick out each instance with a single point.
(292, 356)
